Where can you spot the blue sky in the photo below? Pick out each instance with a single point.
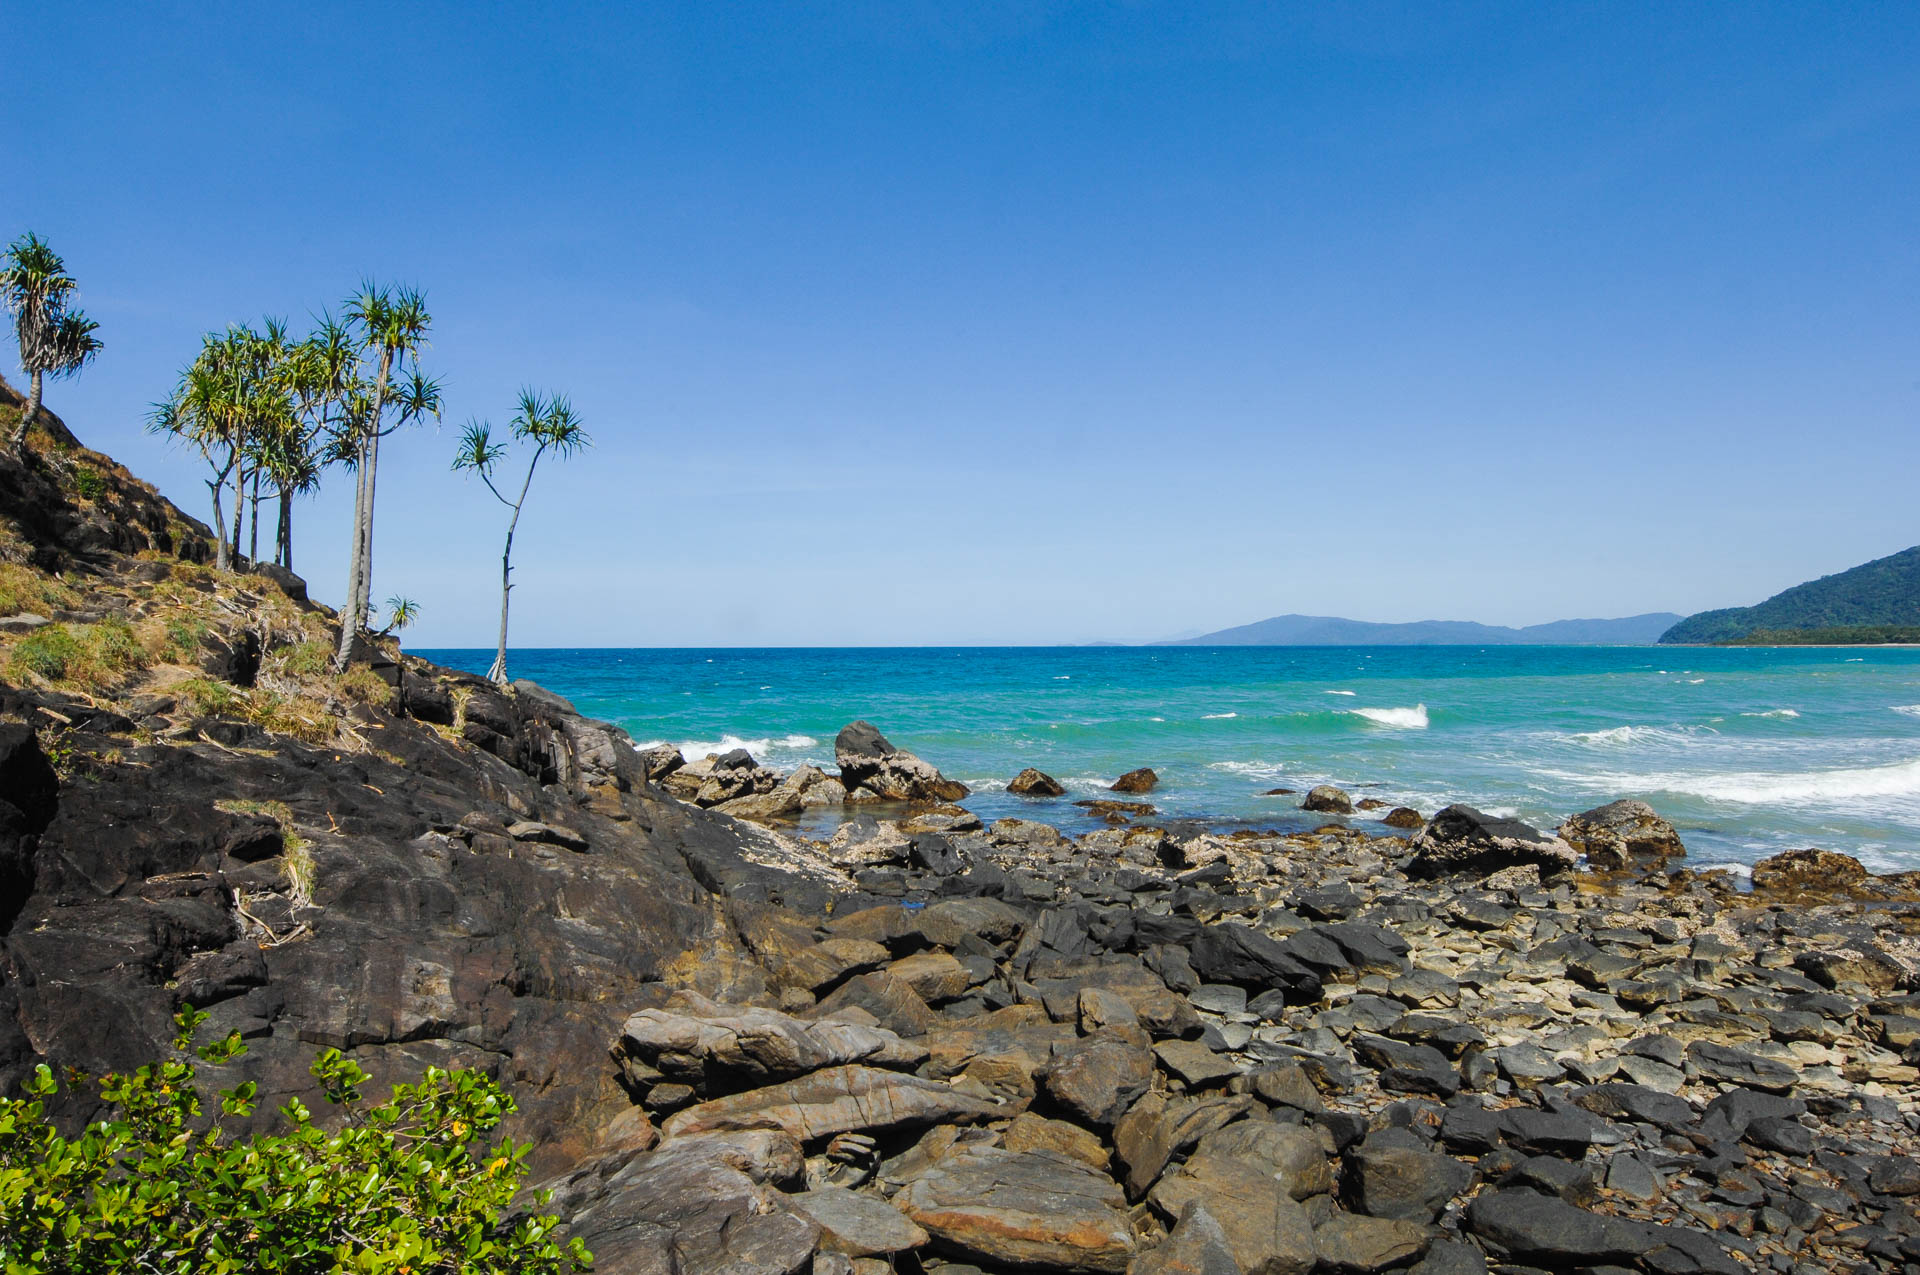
(905, 323)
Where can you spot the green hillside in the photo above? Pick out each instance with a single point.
(1878, 601)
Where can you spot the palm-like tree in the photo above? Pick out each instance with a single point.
(55, 339)
(550, 425)
(209, 410)
(390, 326)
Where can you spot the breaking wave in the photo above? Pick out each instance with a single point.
(1414, 718)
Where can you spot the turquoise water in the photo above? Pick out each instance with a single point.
(1749, 751)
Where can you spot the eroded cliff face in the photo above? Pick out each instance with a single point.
(408, 864)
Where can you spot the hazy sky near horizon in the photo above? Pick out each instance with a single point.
(979, 323)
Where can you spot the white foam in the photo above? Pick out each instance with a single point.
(1773, 712)
(1218, 717)
(1251, 769)
(1620, 736)
(1339, 692)
(695, 749)
(1759, 788)
(1911, 710)
(1414, 718)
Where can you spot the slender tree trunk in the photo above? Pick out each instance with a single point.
(239, 512)
(498, 673)
(216, 486)
(283, 539)
(353, 616)
(253, 544)
(31, 411)
(365, 603)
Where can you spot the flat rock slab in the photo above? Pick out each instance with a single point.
(855, 1224)
(1193, 1062)
(1530, 1227)
(694, 1035)
(1023, 1208)
(834, 1100)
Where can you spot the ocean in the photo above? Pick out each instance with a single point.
(1749, 751)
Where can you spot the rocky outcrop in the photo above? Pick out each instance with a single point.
(1461, 839)
(1326, 799)
(1621, 832)
(1136, 781)
(1035, 783)
(867, 760)
(1808, 870)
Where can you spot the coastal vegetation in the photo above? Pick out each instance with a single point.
(55, 339)
(164, 1182)
(1877, 601)
(550, 425)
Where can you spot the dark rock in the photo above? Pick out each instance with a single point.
(1529, 1227)
(1233, 953)
(1404, 817)
(1196, 1246)
(868, 760)
(1027, 1208)
(1461, 839)
(1349, 1243)
(1408, 1068)
(1326, 799)
(1136, 781)
(1096, 1078)
(1035, 783)
(1736, 1066)
(1400, 1182)
(1618, 833)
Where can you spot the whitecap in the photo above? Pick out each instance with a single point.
(1339, 692)
(694, 749)
(1911, 710)
(1063, 677)
(1762, 788)
(1218, 717)
(1773, 712)
(1156, 719)
(1414, 718)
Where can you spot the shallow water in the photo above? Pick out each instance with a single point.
(1748, 750)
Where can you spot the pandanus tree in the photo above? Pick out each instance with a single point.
(389, 326)
(550, 426)
(55, 339)
(226, 400)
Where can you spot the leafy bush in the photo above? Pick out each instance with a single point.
(182, 644)
(307, 659)
(206, 697)
(88, 655)
(87, 483)
(405, 1187)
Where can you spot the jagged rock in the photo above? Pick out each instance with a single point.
(1098, 1077)
(1461, 839)
(892, 1003)
(1035, 783)
(1251, 1176)
(865, 842)
(1157, 1128)
(1808, 870)
(1616, 834)
(1403, 817)
(1350, 1243)
(1023, 1208)
(698, 1204)
(1029, 1132)
(868, 760)
(694, 1039)
(834, 1100)
(1196, 1246)
(1385, 1180)
(857, 1225)
(1233, 953)
(661, 760)
(1329, 800)
(1136, 781)
(1529, 1227)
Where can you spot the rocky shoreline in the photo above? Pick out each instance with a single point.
(925, 1043)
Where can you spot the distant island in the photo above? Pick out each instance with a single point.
(1876, 602)
(1327, 630)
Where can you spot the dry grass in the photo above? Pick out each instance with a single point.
(22, 589)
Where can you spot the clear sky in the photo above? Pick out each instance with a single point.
(957, 323)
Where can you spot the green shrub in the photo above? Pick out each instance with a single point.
(185, 636)
(205, 697)
(109, 650)
(46, 652)
(308, 659)
(87, 483)
(24, 589)
(159, 1183)
(363, 684)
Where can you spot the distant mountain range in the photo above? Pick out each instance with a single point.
(1878, 601)
(1327, 630)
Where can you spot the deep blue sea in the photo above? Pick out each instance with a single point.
(1748, 750)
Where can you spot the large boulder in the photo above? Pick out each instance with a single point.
(1328, 800)
(1461, 839)
(867, 760)
(1035, 783)
(1136, 781)
(1251, 1177)
(1023, 1208)
(1618, 833)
